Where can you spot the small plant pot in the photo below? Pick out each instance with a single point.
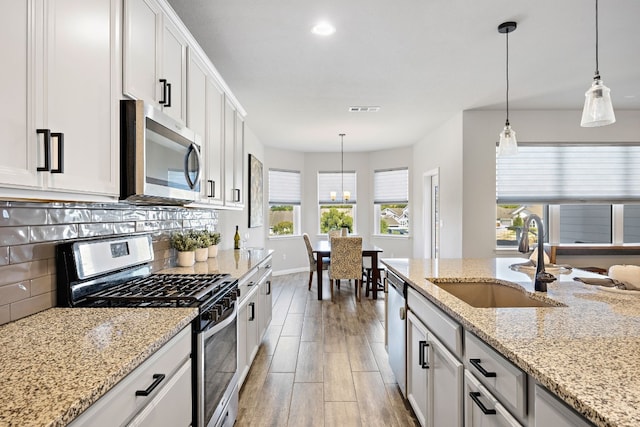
(202, 254)
(186, 259)
(213, 251)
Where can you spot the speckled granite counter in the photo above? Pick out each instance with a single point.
(55, 364)
(587, 353)
(234, 262)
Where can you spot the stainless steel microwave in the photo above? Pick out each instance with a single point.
(159, 157)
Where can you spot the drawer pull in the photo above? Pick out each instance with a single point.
(476, 364)
(157, 379)
(475, 397)
(423, 360)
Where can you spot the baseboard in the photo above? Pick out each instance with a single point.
(291, 271)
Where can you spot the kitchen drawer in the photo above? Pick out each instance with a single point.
(120, 403)
(440, 324)
(482, 409)
(501, 377)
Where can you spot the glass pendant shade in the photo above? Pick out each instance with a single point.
(598, 109)
(508, 145)
(332, 195)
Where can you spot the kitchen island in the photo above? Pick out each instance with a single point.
(587, 353)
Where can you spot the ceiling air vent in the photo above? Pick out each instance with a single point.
(363, 109)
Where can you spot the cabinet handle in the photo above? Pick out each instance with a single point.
(402, 313)
(252, 306)
(157, 379)
(475, 397)
(164, 92)
(47, 150)
(212, 188)
(236, 195)
(60, 137)
(423, 360)
(268, 287)
(169, 97)
(476, 364)
(251, 283)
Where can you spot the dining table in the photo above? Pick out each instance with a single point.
(322, 249)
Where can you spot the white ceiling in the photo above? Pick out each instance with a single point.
(420, 60)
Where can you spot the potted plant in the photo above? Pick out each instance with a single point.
(215, 240)
(185, 244)
(203, 241)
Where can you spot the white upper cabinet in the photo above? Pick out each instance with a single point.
(234, 156)
(60, 100)
(155, 58)
(214, 185)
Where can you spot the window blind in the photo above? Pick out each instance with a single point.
(284, 187)
(569, 173)
(391, 186)
(332, 182)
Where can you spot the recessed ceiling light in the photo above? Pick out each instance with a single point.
(323, 29)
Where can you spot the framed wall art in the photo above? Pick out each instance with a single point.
(255, 192)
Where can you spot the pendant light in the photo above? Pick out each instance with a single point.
(598, 110)
(508, 145)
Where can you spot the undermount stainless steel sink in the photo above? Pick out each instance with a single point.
(487, 294)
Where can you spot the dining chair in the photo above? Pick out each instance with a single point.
(333, 233)
(346, 262)
(312, 260)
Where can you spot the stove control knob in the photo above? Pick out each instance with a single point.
(208, 315)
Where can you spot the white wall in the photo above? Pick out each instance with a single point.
(442, 149)
(481, 129)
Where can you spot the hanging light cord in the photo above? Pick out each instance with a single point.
(342, 164)
(597, 76)
(507, 122)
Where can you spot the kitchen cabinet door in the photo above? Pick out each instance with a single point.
(174, 71)
(214, 154)
(447, 375)
(60, 99)
(481, 408)
(265, 307)
(142, 21)
(232, 194)
(418, 381)
(82, 79)
(19, 144)
(243, 363)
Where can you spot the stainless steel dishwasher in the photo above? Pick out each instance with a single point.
(397, 329)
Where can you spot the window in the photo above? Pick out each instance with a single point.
(581, 188)
(284, 202)
(391, 201)
(336, 200)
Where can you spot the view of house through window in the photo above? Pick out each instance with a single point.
(391, 201)
(510, 222)
(284, 202)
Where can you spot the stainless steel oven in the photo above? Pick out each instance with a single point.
(159, 157)
(217, 378)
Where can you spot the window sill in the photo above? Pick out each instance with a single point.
(284, 237)
(391, 236)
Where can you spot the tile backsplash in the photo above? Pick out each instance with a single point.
(29, 233)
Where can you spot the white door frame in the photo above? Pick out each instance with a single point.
(429, 225)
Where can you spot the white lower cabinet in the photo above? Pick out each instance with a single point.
(551, 411)
(482, 409)
(157, 393)
(254, 314)
(434, 377)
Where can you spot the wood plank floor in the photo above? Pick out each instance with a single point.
(322, 363)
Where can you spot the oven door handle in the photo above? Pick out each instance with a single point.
(222, 324)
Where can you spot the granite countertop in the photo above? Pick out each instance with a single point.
(587, 353)
(234, 262)
(57, 363)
